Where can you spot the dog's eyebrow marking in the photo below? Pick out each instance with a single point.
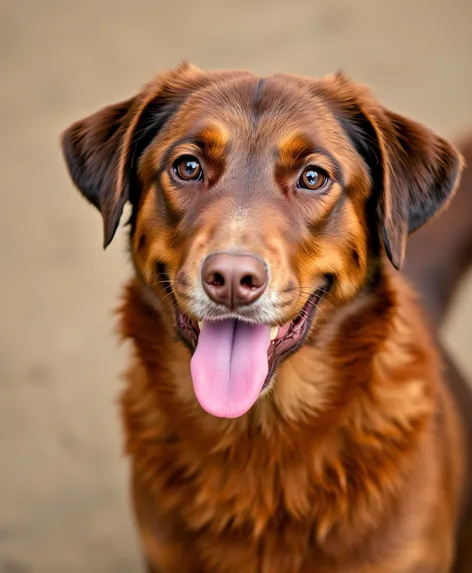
(211, 141)
(293, 150)
(294, 147)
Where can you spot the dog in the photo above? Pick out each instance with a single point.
(288, 408)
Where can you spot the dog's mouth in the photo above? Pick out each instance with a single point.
(233, 361)
(283, 340)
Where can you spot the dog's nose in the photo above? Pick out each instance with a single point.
(234, 280)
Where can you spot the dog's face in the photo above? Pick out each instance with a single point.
(254, 200)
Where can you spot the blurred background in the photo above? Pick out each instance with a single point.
(63, 484)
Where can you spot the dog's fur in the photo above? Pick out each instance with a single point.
(355, 459)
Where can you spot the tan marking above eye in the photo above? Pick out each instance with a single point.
(214, 139)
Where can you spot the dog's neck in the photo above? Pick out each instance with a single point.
(351, 400)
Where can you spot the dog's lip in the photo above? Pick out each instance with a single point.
(290, 337)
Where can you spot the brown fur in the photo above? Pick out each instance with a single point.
(354, 460)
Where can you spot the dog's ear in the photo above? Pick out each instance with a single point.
(92, 148)
(414, 172)
(102, 150)
(421, 174)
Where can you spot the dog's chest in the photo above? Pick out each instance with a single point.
(235, 521)
(255, 507)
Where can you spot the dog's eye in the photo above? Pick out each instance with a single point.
(188, 168)
(313, 178)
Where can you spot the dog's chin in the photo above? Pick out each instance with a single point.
(285, 340)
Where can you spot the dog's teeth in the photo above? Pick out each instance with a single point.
(200, 325)
(274, 330)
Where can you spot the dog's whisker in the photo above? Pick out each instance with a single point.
(166, 283)
(308, 290)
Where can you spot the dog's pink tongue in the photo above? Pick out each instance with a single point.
(229, 366)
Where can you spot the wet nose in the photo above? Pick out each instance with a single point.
(234, 280)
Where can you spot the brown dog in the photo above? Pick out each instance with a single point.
(286, 411)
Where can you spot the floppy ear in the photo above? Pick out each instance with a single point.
(102, 150)
(414, 172)
(421, 174)
(92, 148)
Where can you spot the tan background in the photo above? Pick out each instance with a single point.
(63, 499)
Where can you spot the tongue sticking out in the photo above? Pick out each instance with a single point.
(229, 366)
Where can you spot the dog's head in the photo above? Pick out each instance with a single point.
(252, 201)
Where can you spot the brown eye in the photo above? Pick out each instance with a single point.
(313, 179)
(188, 168)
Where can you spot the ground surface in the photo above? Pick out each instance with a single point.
(63, 501)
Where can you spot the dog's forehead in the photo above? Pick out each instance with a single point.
(257, 100)
(269, 110)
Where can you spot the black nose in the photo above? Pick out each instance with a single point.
(234, 280)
